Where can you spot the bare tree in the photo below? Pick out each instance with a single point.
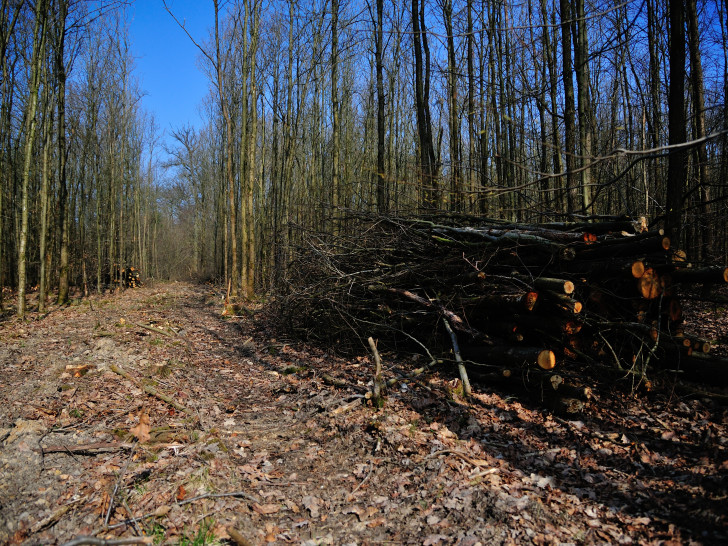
(40, 33)
(677, 170)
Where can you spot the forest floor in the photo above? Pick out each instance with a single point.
(265, 440)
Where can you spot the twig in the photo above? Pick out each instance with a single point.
(151, 390)
(65, 448)
(462, 456)
(346, 407)
(467, 390)
(154, 329)
(240, 494)
(93, 541)
(377, 398)
(331, 380)
(53, 518)
(128, 511)
(238, 538)
(369, 473)
(456, 320)
(116, 485)
(85, 449)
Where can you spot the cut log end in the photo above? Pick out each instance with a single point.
(530, 299)
(638, 269)
(679, 256)
(546, 360)
(649, 284)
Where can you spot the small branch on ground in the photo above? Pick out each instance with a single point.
(85, 449)
(151, 390)
(238, 538)
(239, 494)
(53, 518)
(467, 390)
(154, 329)
(116, 485)
(378, 386)
(93, 541)
(463, 456)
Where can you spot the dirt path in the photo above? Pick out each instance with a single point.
(264, 445)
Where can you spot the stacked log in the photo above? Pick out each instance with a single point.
(520, 296)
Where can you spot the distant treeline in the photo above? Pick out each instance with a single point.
(525, 111)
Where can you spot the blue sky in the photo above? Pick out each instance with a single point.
(167, 64)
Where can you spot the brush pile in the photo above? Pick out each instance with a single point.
(602, 293)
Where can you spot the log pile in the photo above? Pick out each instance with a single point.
(545, 297)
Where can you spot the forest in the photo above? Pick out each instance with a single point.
(384, 200)
(531, 111)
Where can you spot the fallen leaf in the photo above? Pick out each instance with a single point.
(162, 510)
(265, 509)
(181, 493)
(312, 504)
(358, 510)
(141, 431)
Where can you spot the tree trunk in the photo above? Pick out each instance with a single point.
(250, 262)
(428, 175)
(569, 114)
(233, 277)
(39, 43)
(454, 121)
(335, 130)
(471, 104)
(64, 219)
(44, 190)
(701, 155)
(382, 204)
(677, 171)
(581, 54)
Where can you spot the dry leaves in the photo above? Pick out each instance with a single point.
(265, 509)
(141, 431)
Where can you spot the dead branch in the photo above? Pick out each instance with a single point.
(93, 541)
(153, 329)
(378, 385)
(151, 390)
(86, 449)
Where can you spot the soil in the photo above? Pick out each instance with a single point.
(148, 413)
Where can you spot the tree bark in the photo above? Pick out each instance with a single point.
(335, 137)
(63, 278)
(44, 198)
(700, 152)
(382, 204)
(581, 54)
(39, 43)
(428, 174)
(677, 171)
(454, 121)
(569, 114)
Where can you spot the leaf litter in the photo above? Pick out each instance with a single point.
(274, 442)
